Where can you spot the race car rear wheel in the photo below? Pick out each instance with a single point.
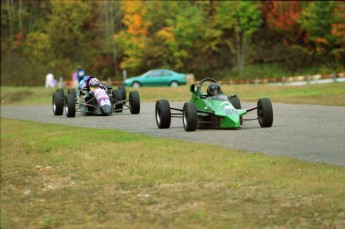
(163, 114)
(134, 102)
(265, 112)
(235, 101)
(123, 91)
(61, 90)
(72, 91)
(190, 117)
(57, 103)
(70, 106)
(117, 96)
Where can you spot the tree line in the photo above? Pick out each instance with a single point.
(221, 39)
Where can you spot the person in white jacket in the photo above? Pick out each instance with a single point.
(50, 81)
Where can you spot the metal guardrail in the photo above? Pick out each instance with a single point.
(309, 79)
(290, 80)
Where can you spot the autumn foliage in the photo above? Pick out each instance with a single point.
(207, 38)
(281, 15)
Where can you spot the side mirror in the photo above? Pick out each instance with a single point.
(192, 88)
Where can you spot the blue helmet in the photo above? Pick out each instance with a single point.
(80, 72)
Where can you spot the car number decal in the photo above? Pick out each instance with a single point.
(231, 111)
(105, 102)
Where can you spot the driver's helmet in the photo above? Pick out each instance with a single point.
(213, 89)
(94, 83)
(80, 72)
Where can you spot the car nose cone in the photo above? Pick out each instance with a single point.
(106, 109)
(230, 121)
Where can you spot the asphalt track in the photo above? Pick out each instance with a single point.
(308, 132)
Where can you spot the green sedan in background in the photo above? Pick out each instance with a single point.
(157, 77)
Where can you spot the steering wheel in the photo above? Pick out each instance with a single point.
(103, 87)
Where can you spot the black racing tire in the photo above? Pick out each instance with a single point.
(163, 114)
(58, 103)
(190, 116)
(123, 91)
(265, 112)
(235, 101)
(70, 106)
(134, 102)
(62, 91)
(72, 91)
(117, 96)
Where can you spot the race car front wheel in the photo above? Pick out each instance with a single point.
(163, 114)
(265, 112)
(57, 103)
(190, 117)
(70, 106)
(134, 102)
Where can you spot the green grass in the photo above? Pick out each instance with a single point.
(53, 177)
(26, 95)
(322, 94)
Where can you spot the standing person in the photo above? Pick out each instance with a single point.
(81, 78)
(50, 81)
(75, 81)
(80, 74)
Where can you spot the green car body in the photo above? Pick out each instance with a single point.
(229, 116)
(218, 111)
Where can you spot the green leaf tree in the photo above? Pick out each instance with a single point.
(72, 33)
(325, 24)
(182, 33)
(134, 38)
(243, 18)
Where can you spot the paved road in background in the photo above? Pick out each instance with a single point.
(308, 132)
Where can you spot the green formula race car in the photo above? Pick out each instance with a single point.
(209, 107)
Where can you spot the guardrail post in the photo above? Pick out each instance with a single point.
(61, 83)
(124, 74)
(308, 79)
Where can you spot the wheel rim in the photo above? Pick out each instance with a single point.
(174, 84)
(53, 103)
(185, 117)
(260, 114)
(136, 85)
(158, 115)
(130, 103)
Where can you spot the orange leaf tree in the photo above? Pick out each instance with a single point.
(134, 38)
(325, 24)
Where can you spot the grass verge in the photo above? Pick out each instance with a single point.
(322, 94)
(55, 176)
